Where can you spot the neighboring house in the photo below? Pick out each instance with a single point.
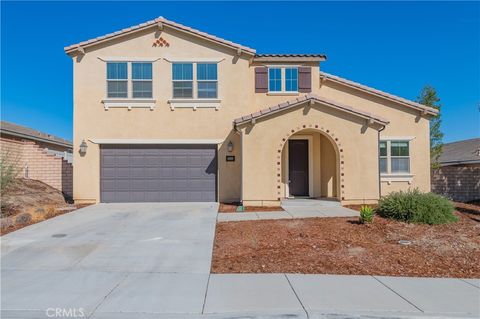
(38, 155)
(164, 112)
(458, 176)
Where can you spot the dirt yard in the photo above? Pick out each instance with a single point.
(343, 246)
(30, 201)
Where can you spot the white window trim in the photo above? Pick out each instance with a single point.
(128, 59)
(390, 177)
(310, 164)
(194, 60)
(195, 102)
(129, 101)
(140, 80)
(282, 79)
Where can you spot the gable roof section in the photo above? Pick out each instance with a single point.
(388, 96)
(304, 99)
(461, 152)
(159, 22)
(12, 129)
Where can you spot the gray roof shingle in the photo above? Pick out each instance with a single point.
(461, 152)
(29, 133)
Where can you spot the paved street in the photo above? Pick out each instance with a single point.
(153, 261)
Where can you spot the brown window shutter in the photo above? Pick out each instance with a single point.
(261, 79)
(305, 79)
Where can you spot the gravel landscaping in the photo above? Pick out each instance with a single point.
(344, 246)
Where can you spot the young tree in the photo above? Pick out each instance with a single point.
(428, 96)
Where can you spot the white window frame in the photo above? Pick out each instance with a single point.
(194, 74)
(389, 176)
(129, 80)
(138, 80)
(129, 101)
(195, 82)
(116, 80)
(283, 79)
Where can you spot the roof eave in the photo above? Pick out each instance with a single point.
(263, 113)
(36, 138)
(424, 109)
(74, 48)
(288, 59)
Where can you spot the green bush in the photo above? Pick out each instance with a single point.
(416, 207)
(8, 171)
(366, 214)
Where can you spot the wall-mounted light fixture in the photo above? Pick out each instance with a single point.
(230, 147)
(83, 147)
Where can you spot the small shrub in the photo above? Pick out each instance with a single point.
(23, 219)
(8, 171)
(417, 207)
(5, 223)
(366, 214)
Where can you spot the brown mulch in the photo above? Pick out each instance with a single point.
(28, 202)
(232, 208)
(343, 246)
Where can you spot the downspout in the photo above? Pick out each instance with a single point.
(378, 157)
(237, 131)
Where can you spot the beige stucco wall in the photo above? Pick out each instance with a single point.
(236, 91)
(263, 144)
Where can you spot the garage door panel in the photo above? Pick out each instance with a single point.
(164, 173)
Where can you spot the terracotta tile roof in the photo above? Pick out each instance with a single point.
(306, 98)
(29, 133)
(379, 93)
(461, 152)
(289, 57)
(151, 23)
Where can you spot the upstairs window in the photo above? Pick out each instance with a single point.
(283, 79)
(141, 80)
(394, 157)
(117, 80)
(201, 84)
(207, 80)
(275, 79)
(291, 79)
(182, 80)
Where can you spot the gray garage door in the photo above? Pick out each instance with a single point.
(158, 173)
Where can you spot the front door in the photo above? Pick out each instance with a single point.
(298, 167)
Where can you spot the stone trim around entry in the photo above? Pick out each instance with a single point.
(323, 130)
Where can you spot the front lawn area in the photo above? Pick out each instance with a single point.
(343, 246)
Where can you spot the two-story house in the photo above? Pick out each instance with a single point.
(164, 112)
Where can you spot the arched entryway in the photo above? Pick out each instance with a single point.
(311, 164)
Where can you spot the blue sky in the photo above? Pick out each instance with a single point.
(395, 47)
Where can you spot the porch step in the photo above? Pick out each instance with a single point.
(295, 202)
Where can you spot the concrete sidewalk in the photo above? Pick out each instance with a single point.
(184, 295)
(295, 208)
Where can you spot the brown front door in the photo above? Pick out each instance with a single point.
(298, 167)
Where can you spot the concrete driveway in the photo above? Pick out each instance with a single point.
(76, 260)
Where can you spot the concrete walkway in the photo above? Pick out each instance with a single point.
(153, 261)
(295, 208)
